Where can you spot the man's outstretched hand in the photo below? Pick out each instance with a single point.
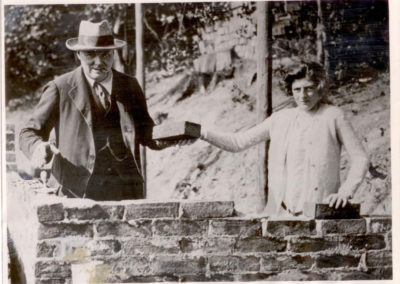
(42, 154)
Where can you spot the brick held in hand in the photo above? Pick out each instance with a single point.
(323, 211)
(176, 131)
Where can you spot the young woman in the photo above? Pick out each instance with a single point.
(305, 147)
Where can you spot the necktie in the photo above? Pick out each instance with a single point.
(103, 95)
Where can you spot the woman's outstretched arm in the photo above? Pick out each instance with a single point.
(236, 142)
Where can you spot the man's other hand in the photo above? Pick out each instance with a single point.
(42, 154)
(337, 199)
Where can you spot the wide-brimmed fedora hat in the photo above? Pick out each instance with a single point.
(94, 36)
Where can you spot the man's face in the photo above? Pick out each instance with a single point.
(305, 94)
(96, 64)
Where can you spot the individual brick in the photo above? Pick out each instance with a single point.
(234, 264)
(362, 242)
(242, 228)
(63, 230)
(53, 269)
(140, 228)
(179, 265)
(312, 244)
(50, 213)
(103, 247)
(380, 225)
(379, 258)
(48, 249)
(152, 210)
(180, 227)
(126, 268)
(207, 209)
(337, 260)
(263, 244)
(351, 226)
(147, 246)
(290, 227)
(210, 245)
(95, 212)
(284, 262)
(324, 211)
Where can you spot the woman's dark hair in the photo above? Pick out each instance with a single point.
(310, 70)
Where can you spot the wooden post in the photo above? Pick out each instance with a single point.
(141, 79)
(264, 79)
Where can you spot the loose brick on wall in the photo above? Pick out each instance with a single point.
(213, 209)
(152, 210)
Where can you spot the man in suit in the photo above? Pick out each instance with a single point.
(99, 116)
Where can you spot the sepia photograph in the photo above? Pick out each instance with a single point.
(225, 141)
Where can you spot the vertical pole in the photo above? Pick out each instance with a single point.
(262, 99)
(141, 79)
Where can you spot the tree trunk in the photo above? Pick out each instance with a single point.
(141, 79)
(263, 96)
(322, 53)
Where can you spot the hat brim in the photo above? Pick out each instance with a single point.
(73, 44)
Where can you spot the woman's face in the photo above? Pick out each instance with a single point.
(306, 94)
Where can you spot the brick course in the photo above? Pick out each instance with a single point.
(154, 242)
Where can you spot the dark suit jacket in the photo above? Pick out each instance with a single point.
(65, 106)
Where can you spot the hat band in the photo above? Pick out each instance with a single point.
(96, 41)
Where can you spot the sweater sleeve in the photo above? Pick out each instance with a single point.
(236, 142)
(357, 154)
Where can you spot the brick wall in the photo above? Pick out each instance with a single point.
(142, 241)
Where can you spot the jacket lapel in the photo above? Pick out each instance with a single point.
(80, 95)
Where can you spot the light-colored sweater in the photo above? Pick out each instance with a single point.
(324, 138)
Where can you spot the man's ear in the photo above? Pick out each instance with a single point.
(77, 55)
